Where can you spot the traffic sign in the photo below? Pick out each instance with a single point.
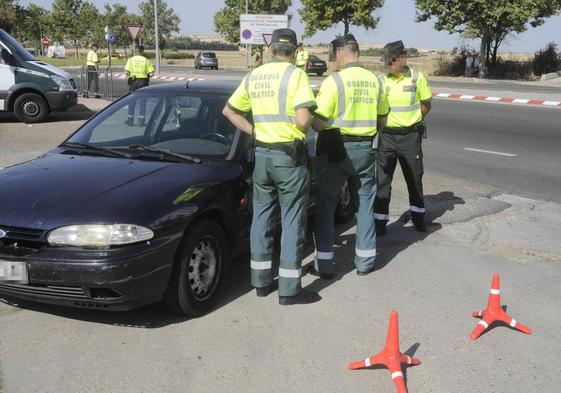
(134, 31)
(45, 41)
(110, 37)
(252, 27)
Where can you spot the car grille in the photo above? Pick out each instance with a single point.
(46, 290)
(26, 235)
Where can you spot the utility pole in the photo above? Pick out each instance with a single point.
(157, 34)
(246, 45)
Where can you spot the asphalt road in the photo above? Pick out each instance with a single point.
(528, 140)
(434, 280)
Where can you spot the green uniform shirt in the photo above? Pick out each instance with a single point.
(273, 93)
(139, 67)
(352, 99)
(406, 93)
(302, 57)
(92, 59)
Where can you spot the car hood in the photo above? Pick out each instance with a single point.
(58, 189)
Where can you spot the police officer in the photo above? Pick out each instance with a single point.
(302, 57)
(351, 107)
(281, 100)
(410, 100)
(139, 70)
(92, 70)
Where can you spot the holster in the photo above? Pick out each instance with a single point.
(421, 128)
(330, 142)
(298, 151)
(251, 150)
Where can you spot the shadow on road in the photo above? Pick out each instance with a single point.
(80, 113)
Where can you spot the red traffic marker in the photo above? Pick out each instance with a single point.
(390, 356)
(494, 312)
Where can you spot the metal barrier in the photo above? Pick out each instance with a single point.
(107, 87)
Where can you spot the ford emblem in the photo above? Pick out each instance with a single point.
(2, 234)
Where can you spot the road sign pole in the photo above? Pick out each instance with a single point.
(157, 34)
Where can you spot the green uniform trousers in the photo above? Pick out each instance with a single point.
(407, 149)
(359, 169)
(278, 182)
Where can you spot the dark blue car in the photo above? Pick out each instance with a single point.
(147, 201)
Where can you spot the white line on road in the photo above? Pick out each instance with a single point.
(497, 153)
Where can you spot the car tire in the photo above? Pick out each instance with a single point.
(200, 270)
(31, 108)
(344, 211)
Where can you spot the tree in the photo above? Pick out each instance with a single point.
(227, 19)
(32, 21)
(168, 21)
(322, 14)
(489, 20)
(117, 18)
(9, 15)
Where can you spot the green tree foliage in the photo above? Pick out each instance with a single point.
(547, 60)
(490, 20)
(168, 20)
(323, 14)
(64, 19)
(117, 18)
(227, 19)
(9, 10)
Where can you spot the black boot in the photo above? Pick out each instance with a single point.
(381, 228)
(266, 291)
(420, 226)
(325, 276)
(304, 297)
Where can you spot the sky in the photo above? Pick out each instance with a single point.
(397, 22)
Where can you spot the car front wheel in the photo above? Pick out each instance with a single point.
(200, 270)
(31, 108)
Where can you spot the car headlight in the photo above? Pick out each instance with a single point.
(63, 83)
(99, 235)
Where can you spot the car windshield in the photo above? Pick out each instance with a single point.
(314, 58)
(187, 123)
(11, 43)
(209, 55)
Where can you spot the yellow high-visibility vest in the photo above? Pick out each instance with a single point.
(351, 100)
(92, 59)
(273, 93)
(139, 67)
(405, 94)
(302, 57)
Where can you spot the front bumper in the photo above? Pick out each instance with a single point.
(61, 100)
(117, 279)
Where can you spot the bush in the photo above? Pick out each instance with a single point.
(378, 52)
(511, 69)
(177, 55)
(546, 60)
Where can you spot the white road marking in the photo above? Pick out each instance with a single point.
(552, 103)
(466, 97)
(520, 101)
(497, 153)
(492, 98)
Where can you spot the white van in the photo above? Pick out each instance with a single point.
(30, 88)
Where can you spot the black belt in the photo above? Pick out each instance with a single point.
(352, 138)
(401, 130)
(280, 146)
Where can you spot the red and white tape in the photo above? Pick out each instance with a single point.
(465, 97)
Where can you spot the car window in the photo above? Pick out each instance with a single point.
(187, 123)
(209, 55)
(130, 124)
(195, 125)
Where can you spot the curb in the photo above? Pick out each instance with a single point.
(160, 77)
(524, 101)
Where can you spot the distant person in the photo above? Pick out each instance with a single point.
(302, 57)
(258, 60)
(410, 97)
(139, 70)
(476, 64)
(469, 65)
(92, 70)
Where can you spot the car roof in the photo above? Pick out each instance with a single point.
(194, 85)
